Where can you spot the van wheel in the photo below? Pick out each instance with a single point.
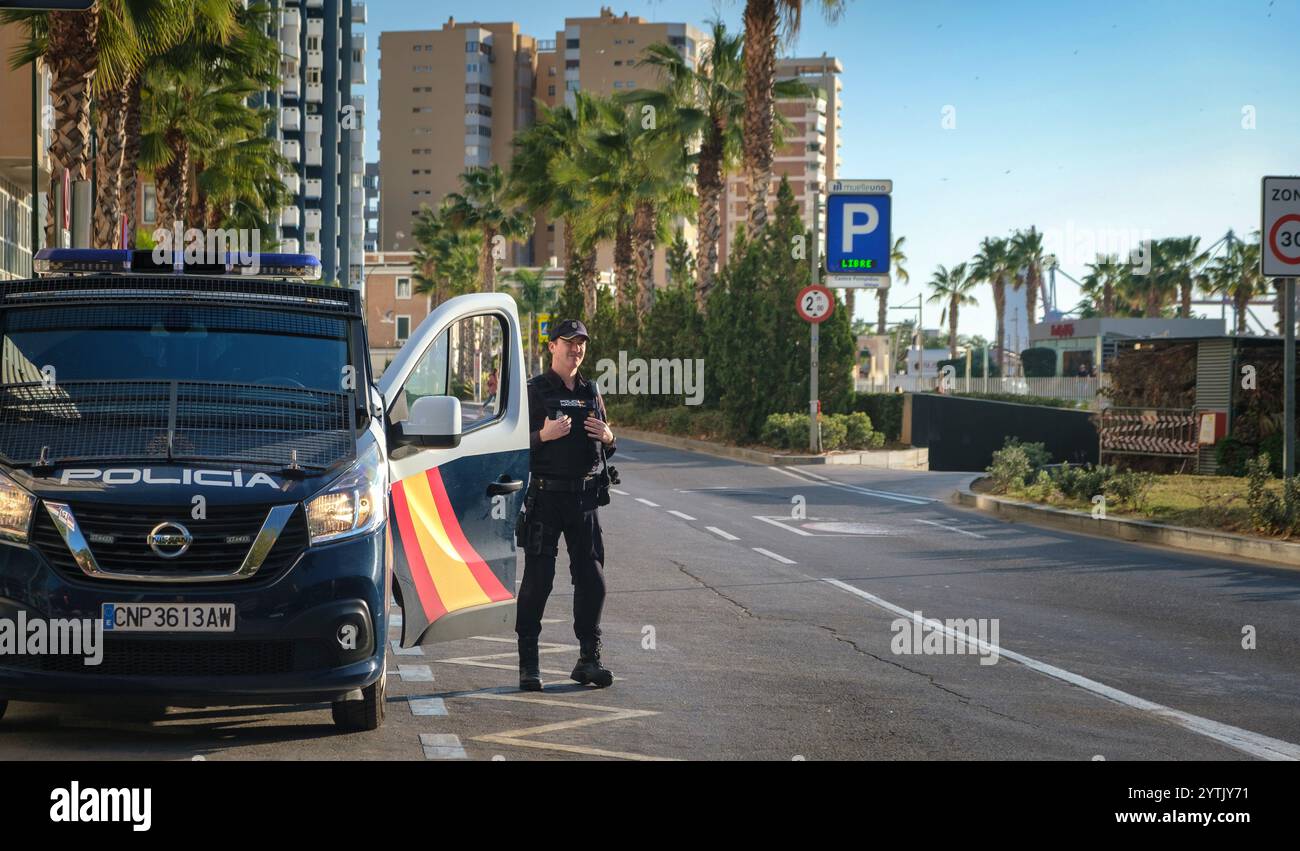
(367, 713)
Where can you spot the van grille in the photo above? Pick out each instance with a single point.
(117, 536)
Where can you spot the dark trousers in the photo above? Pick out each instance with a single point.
(574, 516)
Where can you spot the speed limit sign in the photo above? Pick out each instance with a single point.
(815, 303)
(1280, 228)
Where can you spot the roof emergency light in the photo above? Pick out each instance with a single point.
(84, 261)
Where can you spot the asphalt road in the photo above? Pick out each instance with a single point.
(753, 613)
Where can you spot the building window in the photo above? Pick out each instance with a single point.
(570, 64)
(550, 72)
(571, 86)
(150, 204)
(403, 328)
(403, 287)
(571, 44)
(550, 91)
(478, 89)
(471, 47)
(618, 63)
(618, 84)
(618, 41)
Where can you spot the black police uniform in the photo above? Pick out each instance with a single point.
(562, 494)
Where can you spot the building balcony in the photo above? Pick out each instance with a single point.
(290, 118)
(358, 73)
(313, 155)
(313, 188)
(292, 184)
(313, 219)
(315, 59)
(289, 43)
(289, 217)
(315, 93)
(358, 13)
(288, 246)
(313, 124)
(289, 85)
(315, 4)
(313, 248)
(291, 150)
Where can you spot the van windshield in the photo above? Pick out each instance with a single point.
(129, 342)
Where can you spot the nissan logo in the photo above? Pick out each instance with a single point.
(170, 540)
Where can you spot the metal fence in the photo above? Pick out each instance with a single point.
(1083, 390)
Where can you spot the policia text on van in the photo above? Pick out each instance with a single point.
(211, 443)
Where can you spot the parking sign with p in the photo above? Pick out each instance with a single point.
(858, 233)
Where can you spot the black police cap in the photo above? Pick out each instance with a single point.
(570, 328)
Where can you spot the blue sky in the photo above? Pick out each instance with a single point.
(1098, 122)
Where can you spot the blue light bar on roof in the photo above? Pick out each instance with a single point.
(64, 261)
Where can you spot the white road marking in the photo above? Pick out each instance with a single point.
(421, 706)
(680, 514)
(442, 746)
(949, 528)
(524, 737)
(623, 456)
(399, 650)
(415, 673)
(617, 491)
(395, 620)
(647, 502)
(831, 483)
(1254, 744)
(721, 534)
(773, 555)
(781, 525)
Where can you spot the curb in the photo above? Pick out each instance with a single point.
(893, 459)
(1280, 553)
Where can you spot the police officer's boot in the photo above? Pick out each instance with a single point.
(530, 675)
(589, 669)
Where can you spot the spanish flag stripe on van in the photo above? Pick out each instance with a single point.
(486, 579)
(451, 575)
(430, 602)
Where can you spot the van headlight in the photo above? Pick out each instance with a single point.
(15, 510)
(355, 504)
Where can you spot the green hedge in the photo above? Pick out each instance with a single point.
(839, 431)
(1042, 401)
(885, 411)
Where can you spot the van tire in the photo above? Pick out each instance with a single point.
(366, 714)
(4, 704)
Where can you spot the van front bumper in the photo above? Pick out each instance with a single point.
(315, 632)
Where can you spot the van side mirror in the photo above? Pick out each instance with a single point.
(434, 421)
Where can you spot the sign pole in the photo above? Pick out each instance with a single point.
(1288, 379)
(814, 422)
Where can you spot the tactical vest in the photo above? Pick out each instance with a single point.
(575, 455)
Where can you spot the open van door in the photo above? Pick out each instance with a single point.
(458, 465)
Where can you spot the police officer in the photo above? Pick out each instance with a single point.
(568, 433)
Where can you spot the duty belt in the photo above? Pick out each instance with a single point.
(568, 485)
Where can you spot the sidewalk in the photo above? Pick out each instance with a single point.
(883, 459)
(1282, 553)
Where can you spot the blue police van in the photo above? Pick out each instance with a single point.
(198, 461)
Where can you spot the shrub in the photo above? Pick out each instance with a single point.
(834, 431)
(1082, 482)
(877, 440)
(1130, 487)
(1036, 452)
(858, 430)
(785, 431)
(679, 421)
(1038, 362)
(1010, 468)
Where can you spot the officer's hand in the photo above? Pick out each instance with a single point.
(598, 430)
(554, 429)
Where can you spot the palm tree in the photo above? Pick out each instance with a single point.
(239, 186)
(763, 19)
(995, 266)
(482, 204)
(533, 297)
(1236, 274)
(1100, 283)
(543, 152)
(1027, 248)
(898, 272)
(952, 286)
(446, 256)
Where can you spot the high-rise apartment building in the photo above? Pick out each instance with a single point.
(429, 79)
(319, 124)
(602, 55)
(372, 207)
(810, 156)
(19, 134)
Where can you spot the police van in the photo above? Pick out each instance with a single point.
(199, 461)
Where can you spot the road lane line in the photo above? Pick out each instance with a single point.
(782, 526)
(442, 746)
(680, 514)
(950, 528)
(726, 536)
(399, 650)
(647, 502)
(831, 483)
(1254, 744)
(617, 491)
(623, 456)
(773, 555)
(422, 706)
(415, 673)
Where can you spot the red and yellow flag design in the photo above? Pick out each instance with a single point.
(447, 572)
